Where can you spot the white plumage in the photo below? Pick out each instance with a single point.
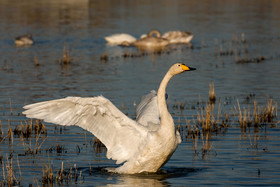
(24, 40)
(120, 38)
(178, 37)
(144, 145)
(151, 40)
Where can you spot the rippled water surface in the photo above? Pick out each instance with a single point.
(242, 72)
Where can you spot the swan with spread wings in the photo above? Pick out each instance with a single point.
(143, 145)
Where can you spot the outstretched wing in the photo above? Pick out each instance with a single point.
(121, 135)
(147, 113)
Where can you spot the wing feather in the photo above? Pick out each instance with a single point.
(147, 113)
(122, 136)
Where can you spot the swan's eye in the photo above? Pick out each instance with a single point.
(179, 65)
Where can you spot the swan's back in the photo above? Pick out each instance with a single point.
(118, 39)
(178, 36)
(151, 42)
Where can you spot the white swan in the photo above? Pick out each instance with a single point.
(24, 40)
(153, 41)
(173, 37)
(118, 39)
(144, 145)
(178, 37)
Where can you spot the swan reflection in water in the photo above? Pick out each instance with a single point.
(159, 179)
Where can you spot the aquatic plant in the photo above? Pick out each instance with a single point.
(10, 177)
(206, 118)
(63, 176)
(66, 58)
(244, 60)
(2, 138)
(104, 57)
(192, 131)
(36, 61)
(33, 149)
(58, 148)
(259, 116)
(26, 131)
(268, 113)
(244, 118)
(212, 95)
(10, 133)
(98, 146)
(47, 177)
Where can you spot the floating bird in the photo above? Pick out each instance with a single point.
(178, 37)
(143, 145)
(118, 39)
(24, 40)
(173, 37)
(153, 41)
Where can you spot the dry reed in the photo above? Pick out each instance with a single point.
(244, 118)
(259, 116)
(98, 146)
(10, 177)
(36, 61)
(206, 118)
(66, 58)
(212, 95)
(47, 174)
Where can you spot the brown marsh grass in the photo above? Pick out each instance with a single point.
(47, 177)
(261, 115)
(66, 57)
(244, 118)
(36, 61)
(10, 175)
(98, 146)
(2, 138)
(33, 148)
(30, 128)
(206, 118)
(212, 95)
(63, 176)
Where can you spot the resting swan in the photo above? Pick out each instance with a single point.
(178, 37)
(140, 147)
(24, 40)
(151, 42)
(118, 39)
(173, 37)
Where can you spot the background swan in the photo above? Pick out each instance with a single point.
(153, 41)
(143, 145)
(118, 39)
(173, 37)
(178, 37)
(24, 40)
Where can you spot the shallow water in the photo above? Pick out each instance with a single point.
(233, 157)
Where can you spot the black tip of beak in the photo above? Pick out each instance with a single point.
(191, 69)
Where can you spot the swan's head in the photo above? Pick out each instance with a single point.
(179, 68)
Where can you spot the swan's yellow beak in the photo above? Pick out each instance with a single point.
(186, 68)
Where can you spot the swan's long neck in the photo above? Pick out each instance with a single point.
(163, 112)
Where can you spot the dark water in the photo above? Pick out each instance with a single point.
(233, 157)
